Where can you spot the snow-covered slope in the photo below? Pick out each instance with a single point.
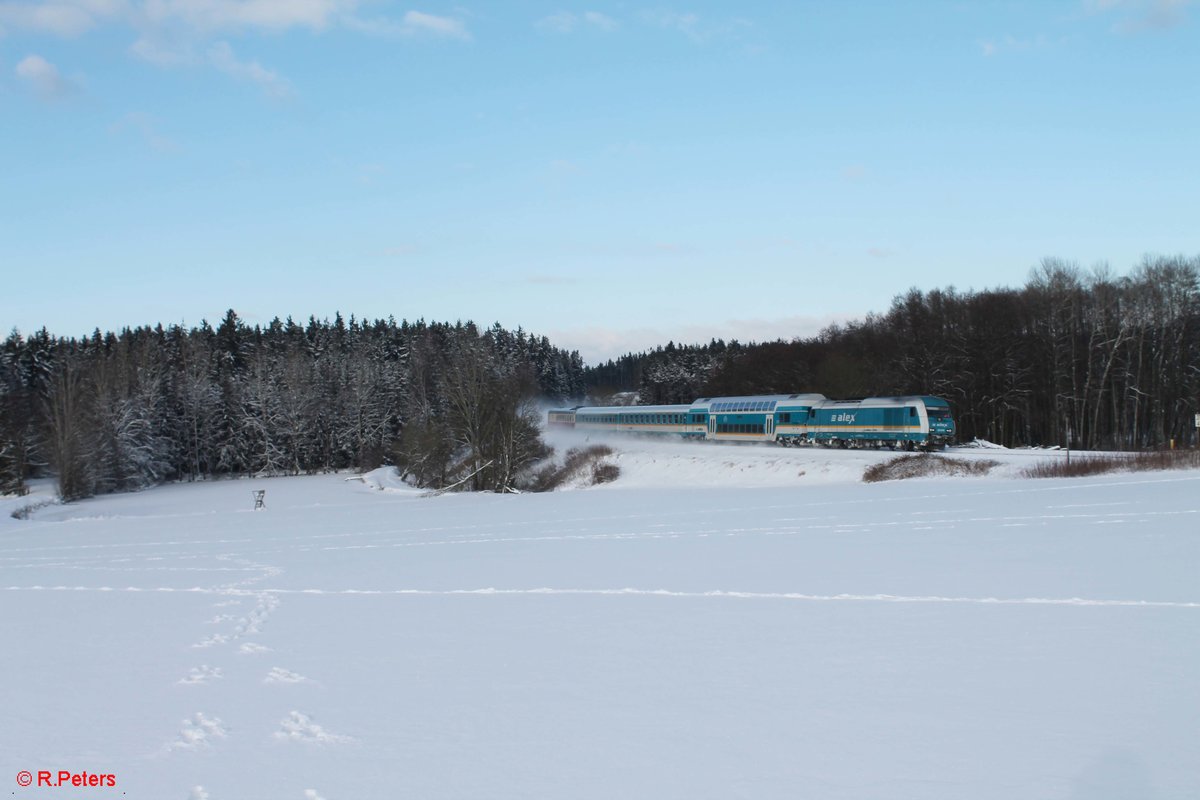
(713, 624)
(649, 462)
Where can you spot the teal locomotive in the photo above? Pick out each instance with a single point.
(908, 423)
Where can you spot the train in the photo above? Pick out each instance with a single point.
(906, 423)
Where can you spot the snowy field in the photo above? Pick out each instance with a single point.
(721, 622)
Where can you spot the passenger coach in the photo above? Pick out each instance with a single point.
(792, 419)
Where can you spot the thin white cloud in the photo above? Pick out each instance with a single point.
(412, 24)
(161, 53)
(175, 33)
(208, 16)
(560, 22)
(145, 127)
(450, 27)
(703, 30)
(205, 18)
(1010, 44)
(43, 77)
(221, 56)
(1142, 16)
(597, 20)
(66, 18)
(568, 22)
(688, 24)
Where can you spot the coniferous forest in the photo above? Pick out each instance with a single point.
(1087, 359)
(120, 411)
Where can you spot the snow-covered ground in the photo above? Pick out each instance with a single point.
(720, 622)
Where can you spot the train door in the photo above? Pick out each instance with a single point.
(769, 427)
(712, 425)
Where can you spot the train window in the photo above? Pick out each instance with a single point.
(912, 411)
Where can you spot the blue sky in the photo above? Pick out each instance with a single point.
(612, 175)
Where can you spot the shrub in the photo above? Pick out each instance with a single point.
(574, 464)
(605, 473)
(923, 465)
(1082, 466)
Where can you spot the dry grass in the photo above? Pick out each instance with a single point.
(578, 462)
(1081, 466)
(25, 511)
(605, 472)
(923, 465)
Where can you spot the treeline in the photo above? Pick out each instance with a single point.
(1089, 359)
(119, 411)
